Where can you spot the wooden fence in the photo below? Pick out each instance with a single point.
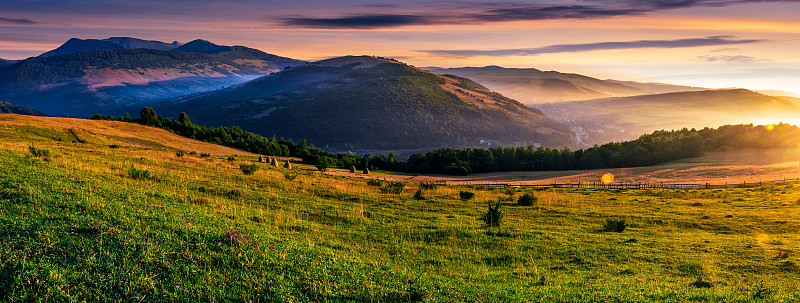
(630, 185)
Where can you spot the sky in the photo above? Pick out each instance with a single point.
(709, 43)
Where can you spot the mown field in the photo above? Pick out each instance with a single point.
(105, 219)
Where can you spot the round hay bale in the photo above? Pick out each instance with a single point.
(366, 171)
(353, 169)
(288, 165)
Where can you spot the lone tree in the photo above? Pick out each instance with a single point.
(183, 118)
(148, 116)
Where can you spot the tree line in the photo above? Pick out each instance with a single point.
(649, 149)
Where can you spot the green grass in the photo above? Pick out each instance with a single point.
(79, 228)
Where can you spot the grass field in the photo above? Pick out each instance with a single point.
(87, 223)
(732, 167)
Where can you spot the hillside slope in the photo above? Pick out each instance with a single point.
(352, 103)
(7, 107)
(84, 83)
(104, 133)
(532, 86)
(85, 224)
(620, 119)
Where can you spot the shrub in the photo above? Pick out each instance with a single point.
(290, 176)
(615, 225)
(248, 169)
(231, 159)
(180, 153)
(192, 153)
(114, 146)
(466, 195)
(493, 216)
(393, 187)
(374, 182)
(139, 174)
(205, 155)
(323, 163)
(236, 236)
(426, 185)
(418, 195)
(527, 200)
(38, 152)
(233, 193)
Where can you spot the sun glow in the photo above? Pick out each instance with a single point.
(607, 178)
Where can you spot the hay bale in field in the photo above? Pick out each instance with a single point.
(353, 169)
(288, 165)
(260, 158)
(366, 171)
(274, 162)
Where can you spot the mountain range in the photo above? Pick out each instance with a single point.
(363, 102)
(84, 77)
(532, 86)
(618, 119)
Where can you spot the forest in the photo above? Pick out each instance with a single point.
(649, 149)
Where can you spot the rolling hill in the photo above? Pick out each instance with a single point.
(619, 119)
(7, 107)
(360, 102)
(86, 82)
(532, 86)
(121, 217)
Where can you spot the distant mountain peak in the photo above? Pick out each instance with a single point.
(74, 45)
(202, 46)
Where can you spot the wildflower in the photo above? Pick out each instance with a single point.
(409, 280)
(46, 159)
(543, 278)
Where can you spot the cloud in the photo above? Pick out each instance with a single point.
(443, 13)
(18, 21)
(358, 22)
(724, 58)
(568, 48)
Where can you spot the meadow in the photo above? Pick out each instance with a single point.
(90, 212)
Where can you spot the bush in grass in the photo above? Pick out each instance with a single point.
(323, 163)
(290, 176)
(426, 185)
(234, 193)
(374, 182)
(393, 187)
(179, 153)
(466, 195)
(205, 155)
(527, 200)
(38, 152)
(248, 169)
(139, 174)
(114, 146)
(493, 216)
(235, 237)
(418, 195)
(231, 159)
(615, 225)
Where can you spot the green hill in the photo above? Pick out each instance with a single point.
(356, 103)
(7, 107)
(122, 217)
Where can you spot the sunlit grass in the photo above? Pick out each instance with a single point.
(79, 228)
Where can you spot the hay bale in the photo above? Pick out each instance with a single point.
(366, 171)
(274, 162)
(353, 169)
(260, 158)
(288, 165)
